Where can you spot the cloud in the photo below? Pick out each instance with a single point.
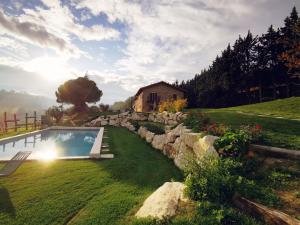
(53, 27)
(168, 40)
(34, 34)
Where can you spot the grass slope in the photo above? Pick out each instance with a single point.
(278, 132)
(84, 191)
(287, 108)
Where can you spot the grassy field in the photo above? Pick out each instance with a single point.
(278, 132)
(84, 191)
(288, 108)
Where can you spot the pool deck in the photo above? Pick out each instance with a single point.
(95, 152)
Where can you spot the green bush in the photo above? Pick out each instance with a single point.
(216, 180)
(135, 124)
(233, 143)
(212, 179)
(197, 121)
(156, 128)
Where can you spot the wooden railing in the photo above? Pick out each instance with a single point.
(13, 123)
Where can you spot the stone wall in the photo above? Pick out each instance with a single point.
(179, 144)
(116, 120)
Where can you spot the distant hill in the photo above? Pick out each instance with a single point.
(22, 102)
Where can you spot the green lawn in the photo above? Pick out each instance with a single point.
(288, 108)
(86, 192)
(278, 132)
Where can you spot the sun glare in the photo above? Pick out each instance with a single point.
(52, 69)
(46, 155)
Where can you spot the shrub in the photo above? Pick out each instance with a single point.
(135, 124)
(172, 106)
(236, 143)
(212, 179)
(155, 128)
(232, 143)
(216, 180)
(216, 130)
(197, 121)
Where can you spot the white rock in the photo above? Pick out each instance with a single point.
(205, 146)
(112, 122)
(170, 138)
(190, 138)
(113, 117)
(149, 136)
(164, 202)
(158, 141)
(184, 156)
(104, 123)
(177, 131)
(142, 131)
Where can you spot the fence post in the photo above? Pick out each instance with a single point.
(15, 121)
(26, 121)
(34, 123)
(5, 122)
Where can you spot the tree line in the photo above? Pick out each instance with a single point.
(253, 69)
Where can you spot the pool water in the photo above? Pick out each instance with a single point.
(51, 144)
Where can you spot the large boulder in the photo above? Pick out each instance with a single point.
(142, 131)
(112, 122)
(149, 136)
(184, 155)
(164, 202)
(205, 146)
(151, 117)
(104, 122)
(190, 138)
(170, 138)
(177, 131)
(158, 141)
(113, 117)
(169, 150)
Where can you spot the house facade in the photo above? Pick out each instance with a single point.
(148, 98)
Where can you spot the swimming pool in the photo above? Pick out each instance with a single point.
(54, 143)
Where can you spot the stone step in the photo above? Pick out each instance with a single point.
(105, 150)
(107, 156)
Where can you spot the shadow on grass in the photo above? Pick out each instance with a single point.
(6, 205)
(136, 162)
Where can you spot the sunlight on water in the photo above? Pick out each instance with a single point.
(46, 155)
(51, 144)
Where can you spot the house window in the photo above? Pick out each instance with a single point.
(153, 97)
(174, 96)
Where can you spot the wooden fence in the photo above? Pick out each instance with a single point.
(14, 123)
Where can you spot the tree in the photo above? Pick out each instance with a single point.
(55, 112)
(123, 105)
(78, 92)
(103, 107)
(291, 41)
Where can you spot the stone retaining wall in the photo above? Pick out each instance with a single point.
(164, 118)
(179, 144)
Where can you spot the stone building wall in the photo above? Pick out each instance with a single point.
(164, 92)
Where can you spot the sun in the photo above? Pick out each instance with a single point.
(53, 69)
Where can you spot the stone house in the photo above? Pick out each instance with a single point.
(148, 98)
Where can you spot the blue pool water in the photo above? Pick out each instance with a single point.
(50, 144)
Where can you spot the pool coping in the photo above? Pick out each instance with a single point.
(95, 152)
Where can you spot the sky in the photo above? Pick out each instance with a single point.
(121, 45)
